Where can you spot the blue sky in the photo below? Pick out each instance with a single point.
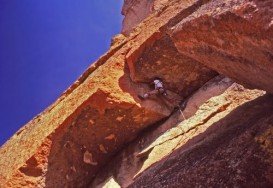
(44, 46)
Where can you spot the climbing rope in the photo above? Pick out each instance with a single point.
(181, 113)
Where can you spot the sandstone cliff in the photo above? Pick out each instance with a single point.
(215, 58)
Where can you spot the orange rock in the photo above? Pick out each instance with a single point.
(110, 137)
(72, 134)
(235, 38)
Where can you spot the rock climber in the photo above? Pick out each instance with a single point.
(159, 89)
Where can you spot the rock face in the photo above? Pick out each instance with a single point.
(232, 37)
(135, 11)
(221, 134)
(225, 151)
(213, 146)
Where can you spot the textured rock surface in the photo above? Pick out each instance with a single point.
(233, 37)
(139, 155)
(161, 59)
(186, 43)
(215, 140)
(135, 11)
(230, 149)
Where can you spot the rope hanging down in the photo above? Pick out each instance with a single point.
(182, 113)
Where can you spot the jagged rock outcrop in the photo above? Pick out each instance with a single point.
(95, 119)
(232, 37)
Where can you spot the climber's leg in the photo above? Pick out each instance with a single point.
(154, 92)
(162, 91)
(148, 94)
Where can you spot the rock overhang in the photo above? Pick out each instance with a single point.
(102, 108)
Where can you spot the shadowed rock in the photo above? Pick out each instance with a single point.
(186, 43)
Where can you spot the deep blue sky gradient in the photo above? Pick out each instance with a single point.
(44, 46)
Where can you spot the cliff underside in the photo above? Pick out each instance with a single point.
(214, 128)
